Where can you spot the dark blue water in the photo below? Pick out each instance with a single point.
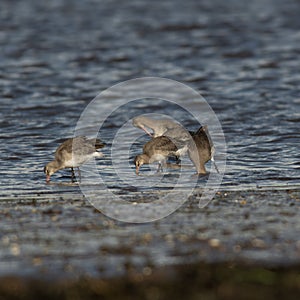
(242, 57)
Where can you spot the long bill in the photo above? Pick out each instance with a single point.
(145, 129)
(137, 168)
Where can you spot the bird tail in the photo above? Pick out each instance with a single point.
(201, 130)
(98, 143)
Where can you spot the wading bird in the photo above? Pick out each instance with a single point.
(72, 153)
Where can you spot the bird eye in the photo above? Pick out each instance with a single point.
(46, 171)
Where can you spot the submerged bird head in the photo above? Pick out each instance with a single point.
(139, 161)
(50, 169)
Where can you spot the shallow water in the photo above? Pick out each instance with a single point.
(56, 57)
(243, 61)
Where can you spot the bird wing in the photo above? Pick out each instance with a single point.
(79, 145)
(97, 143)
(161, 143)
(201, 141)
(179, 136)
(203, 136)
(65, 147)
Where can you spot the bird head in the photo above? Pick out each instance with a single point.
(49, 169)
(139, 161)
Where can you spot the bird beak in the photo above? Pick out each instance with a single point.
(137, 170)
(148, 132)
(47, 178)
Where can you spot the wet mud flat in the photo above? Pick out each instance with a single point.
(243, 243)
(194, 281)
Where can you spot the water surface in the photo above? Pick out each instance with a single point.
(243, 57)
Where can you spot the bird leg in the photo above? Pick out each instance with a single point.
(73, 174)
(215, 165)
(159, 167)
(177, 160)
(148, 132)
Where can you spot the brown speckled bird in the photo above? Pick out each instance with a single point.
(157, 149)
(201, 150)
(165, 127)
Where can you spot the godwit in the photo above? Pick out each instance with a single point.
(165, 127)
(157, 149)
(201, 150)
(72, 153)
(159, 127)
